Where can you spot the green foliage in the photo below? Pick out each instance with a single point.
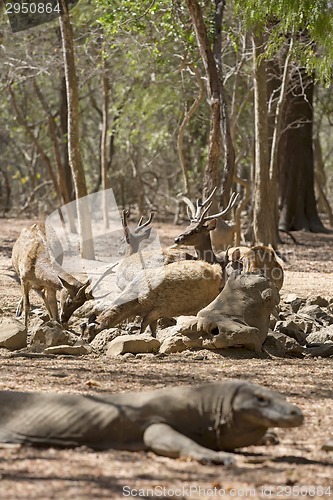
(285, 17)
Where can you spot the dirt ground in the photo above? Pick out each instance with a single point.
(297, 466)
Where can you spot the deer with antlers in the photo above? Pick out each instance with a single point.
(244, 259)
(135, 259)
(198, 233)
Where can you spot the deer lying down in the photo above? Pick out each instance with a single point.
(181, 288)
(37, 268)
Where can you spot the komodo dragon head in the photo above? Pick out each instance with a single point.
(253, 409)
(265, 408)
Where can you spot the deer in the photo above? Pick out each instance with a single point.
(136, 260)
(180, 288)
(198, 233)
(244, 259)
(259, 258)
(38, 268)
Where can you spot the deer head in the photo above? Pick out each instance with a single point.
(200, 223)
(73, 296)
(140, 233)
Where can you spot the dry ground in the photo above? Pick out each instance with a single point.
(296, 467)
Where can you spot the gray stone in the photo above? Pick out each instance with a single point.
(187, 324)
(292, 329)
(133, 343)
(322, 336)
(240, 314)
(173, 344)
(102, 339)
(13, 334)
(127, 355)
(317, 300)
(312, 311)
(280, 345)
(166, 333)
(51, 334)
(322, 351)
(74, 350)
(293, 301)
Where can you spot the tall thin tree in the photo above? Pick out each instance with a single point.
(74, 151)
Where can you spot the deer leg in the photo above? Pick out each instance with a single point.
(25, 301)
(50, 300)
(150, 320)
(19, 309)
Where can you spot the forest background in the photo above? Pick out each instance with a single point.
(160, 98)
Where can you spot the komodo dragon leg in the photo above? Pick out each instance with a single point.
(165, 441)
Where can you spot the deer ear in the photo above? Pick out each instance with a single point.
(211, 224)
(235, 255)
(65, 283)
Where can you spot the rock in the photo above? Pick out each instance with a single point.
(187, 324)
(233, 335)
(51, 334)
(135, 344)
(173, 344)
(145, 355)
(128, 355)
(74, 350)
(166, 323)
(103, 338)
(315, 312)
(280, 345)
(317, 300)
(323, 351)
(320, 337)
(13, 334)
(166, 333)
(292, 329)
(240, 314)
(294, 301)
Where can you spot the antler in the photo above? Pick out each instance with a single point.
(199, 214)
(106, 273)
(190, 207)
(234, 197)
(140, 225)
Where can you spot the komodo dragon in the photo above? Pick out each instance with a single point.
(186, 421)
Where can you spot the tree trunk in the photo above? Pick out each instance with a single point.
(104, 140)
(228, 147)
(264, 226)
(296, 159)
(74, 152)
(213, 91)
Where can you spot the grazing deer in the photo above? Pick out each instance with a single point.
(263, 259)
(37, 267)
(180, 288)
(136, 260)
(198, 233)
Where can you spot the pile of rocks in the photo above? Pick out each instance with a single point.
(303, 327)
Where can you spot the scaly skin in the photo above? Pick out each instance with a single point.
(201, 422)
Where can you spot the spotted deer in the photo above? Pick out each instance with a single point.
(244, 259)
(35, 258)
(180, 288)
(198, 233)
